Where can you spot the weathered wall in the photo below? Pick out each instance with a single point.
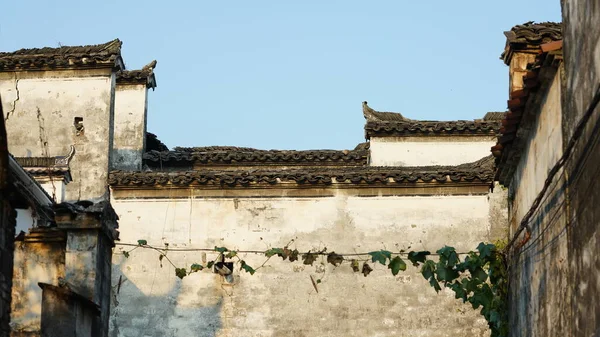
(582, 63)
(55, 188)
(429, 150)
(279, 300)
(87, 265)
(539, 299)
(40, 258)
(7, 233)
(518, 68)
(130, 126)
(41, 108)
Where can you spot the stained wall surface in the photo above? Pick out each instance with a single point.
(582, 67)
(130, 126)
(41, 110)
(280, 300)
(539, 297)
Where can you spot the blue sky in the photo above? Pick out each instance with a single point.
(292, 74)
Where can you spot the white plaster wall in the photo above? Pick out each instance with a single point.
(541, 283)
(130, 126)
(25, 220)
(279, 300)
(54, 188)
(428, 151)
(539, 156)
(33, 263)
(40, 108)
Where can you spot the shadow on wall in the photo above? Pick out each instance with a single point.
(34, 262)
(540, 284)
(162, 308)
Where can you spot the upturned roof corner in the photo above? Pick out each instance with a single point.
(394, 124)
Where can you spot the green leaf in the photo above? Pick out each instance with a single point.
(231, 254)
(459, 291)
(428, 272)
(448, 256)
(416, 257)
(354, 265)
(446, 274)
(275, 251)
(142, 242)
(396, 265)
(294, 255)
(482, 297)
(428, 269)
(486, 251)
(380, 256)
(480, 274)
(210, 264)
(434, 283)
(318, 281)
(366, 269)
(335, 259)
(126, 254)
(247, 268)
(180, 272)
(309, 258)
(221, 249)
(196, 267)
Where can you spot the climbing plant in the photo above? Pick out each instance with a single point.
(479, 278)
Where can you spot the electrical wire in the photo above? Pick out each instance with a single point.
(261, 252)
(578, 131)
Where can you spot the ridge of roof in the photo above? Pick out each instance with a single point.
(386, 124)
(479, 171)
(494, 116)
(89, 56)
(529, 36)
(245, 155)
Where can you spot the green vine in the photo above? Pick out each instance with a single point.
(480, 278)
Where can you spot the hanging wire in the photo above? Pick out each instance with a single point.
(261, 252)
(578, 132)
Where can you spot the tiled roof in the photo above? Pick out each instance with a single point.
(512, 133)
(494, 116)
(244, 155)
(479, 171)
(141, 76)
(65, 57)
(154, 144)
(530, 35)
(382, 124)
(47, 166)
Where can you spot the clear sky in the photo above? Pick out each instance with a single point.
(292, 74)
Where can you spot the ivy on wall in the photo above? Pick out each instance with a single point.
(479, 278)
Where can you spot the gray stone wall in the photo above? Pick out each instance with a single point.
(582, 63)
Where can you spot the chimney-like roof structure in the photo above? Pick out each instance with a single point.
(529, 36)
(143, 76)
